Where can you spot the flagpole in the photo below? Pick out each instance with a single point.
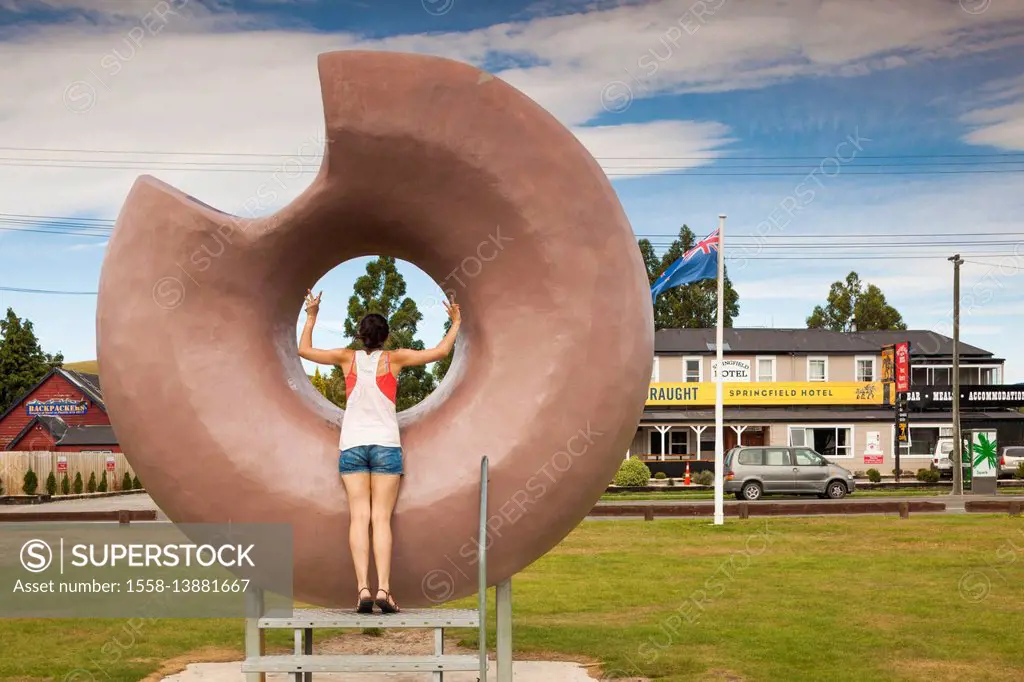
(719, 416)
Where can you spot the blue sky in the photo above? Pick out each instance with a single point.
(694, 100)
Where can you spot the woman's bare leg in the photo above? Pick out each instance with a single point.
(382, 502)
(357, 487)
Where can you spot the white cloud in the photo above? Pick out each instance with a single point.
(1000, 123)
(88, 247)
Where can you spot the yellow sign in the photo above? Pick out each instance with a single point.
(769, 393)
(889, 364)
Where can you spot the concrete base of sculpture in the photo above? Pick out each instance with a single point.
(440, 164)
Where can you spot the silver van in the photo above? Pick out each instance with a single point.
(751, 472)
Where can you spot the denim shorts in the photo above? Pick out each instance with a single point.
(370, 459)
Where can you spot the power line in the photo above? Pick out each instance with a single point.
(49, 291)
(610, 173)
(608, 158)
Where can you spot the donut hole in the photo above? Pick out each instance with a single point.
(425, 306)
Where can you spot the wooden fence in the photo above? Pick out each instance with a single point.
(14, 465)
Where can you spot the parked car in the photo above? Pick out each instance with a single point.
(941, 458)
(1011, 458)
(751, 472)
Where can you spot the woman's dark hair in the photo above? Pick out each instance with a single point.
(373, 331)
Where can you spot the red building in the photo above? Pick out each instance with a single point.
(64, 412)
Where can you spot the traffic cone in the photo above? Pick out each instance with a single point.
(686, 481)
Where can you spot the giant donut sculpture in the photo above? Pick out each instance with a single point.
(445, 166)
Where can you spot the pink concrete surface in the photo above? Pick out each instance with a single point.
(440, 164)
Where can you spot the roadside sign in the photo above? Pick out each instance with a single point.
(902, 368)
(902, 419)
(62, 464)
(110, 462)
(888, 364)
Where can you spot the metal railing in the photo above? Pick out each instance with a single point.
(482, 575)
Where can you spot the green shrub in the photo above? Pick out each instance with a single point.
(102, 487)
(126, 482)
(633, 472)
(91, 487)
(661, 475)
(373, 632)
(928, 475)
(135, 483)
(1, 486)
(78, 483)
(874, 475)
(31, 482)
(51, 484)
(1019, 473)
(65, 486)
(704, 478)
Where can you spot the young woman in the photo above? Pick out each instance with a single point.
(371, 450)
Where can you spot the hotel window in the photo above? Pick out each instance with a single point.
(654, 370)
(865, 368)
(817, 369)
(923, 440)
(692, 370)
(830, 441)
(766, 369)
(676, 442)
(942, 375)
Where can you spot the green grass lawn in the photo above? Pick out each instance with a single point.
(857, 599)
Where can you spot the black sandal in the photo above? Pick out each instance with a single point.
(385, 605)
(365, 605)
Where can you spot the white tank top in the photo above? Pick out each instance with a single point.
(370, 416)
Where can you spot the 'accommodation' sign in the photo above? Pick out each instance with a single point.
(56, 406)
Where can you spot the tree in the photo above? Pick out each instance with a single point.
(126, 482)
(91, 486)
(102, 487)
(22, 361)
(31, 482)
(382, 290)
(51, 484)
(65, 485)
(691, 305)
(78, 483)
(850, 303)
(319, 382)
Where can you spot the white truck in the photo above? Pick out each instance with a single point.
(941, 457)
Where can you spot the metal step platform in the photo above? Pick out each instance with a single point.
(359, 664)
(304, 662)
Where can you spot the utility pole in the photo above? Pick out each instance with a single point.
(958, 471)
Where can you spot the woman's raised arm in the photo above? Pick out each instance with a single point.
(306, 351)
(407, 357)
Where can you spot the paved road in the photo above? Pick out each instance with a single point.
(954, 505)
(951, 502)
(114, 503)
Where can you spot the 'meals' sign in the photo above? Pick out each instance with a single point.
(995, 395)
(56, 406)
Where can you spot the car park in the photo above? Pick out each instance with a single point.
(752, 472)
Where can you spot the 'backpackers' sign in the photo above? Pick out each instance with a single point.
(768, 393)
(56, 407)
